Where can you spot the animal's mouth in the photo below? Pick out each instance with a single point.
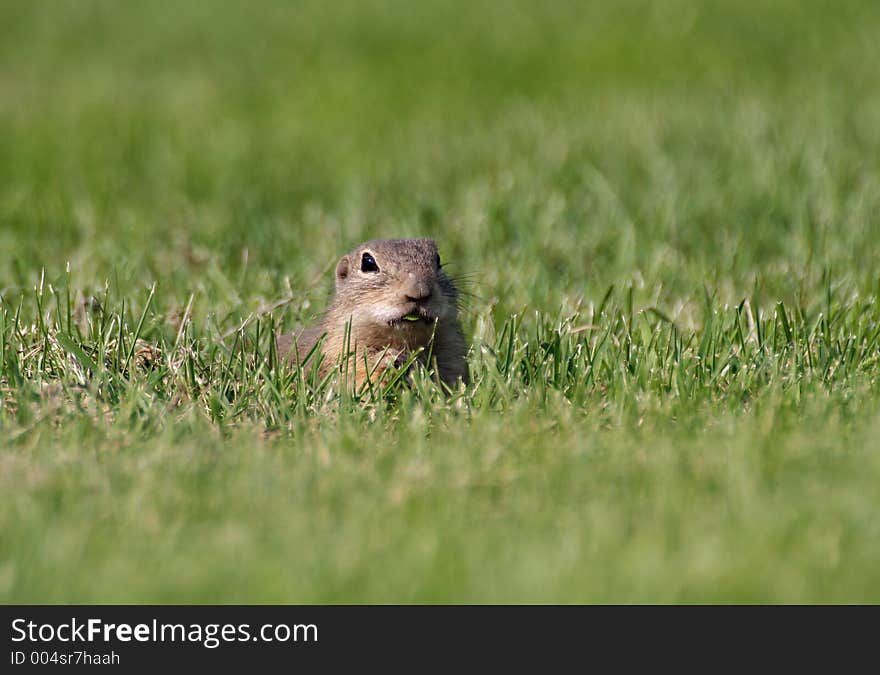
(414, 317)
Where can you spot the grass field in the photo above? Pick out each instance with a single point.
(666, 216)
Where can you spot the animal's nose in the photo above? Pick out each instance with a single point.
(419, 292)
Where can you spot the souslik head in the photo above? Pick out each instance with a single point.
(396, 283)
(395, 297)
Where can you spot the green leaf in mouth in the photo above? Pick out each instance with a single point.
(412, 317)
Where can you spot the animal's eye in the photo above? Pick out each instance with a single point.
(437, 261)
(368, 263)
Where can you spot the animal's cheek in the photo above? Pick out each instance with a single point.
(379, 312)
(440, 310)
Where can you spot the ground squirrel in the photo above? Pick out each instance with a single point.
(395, 296)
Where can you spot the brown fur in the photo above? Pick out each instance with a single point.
(410, 281)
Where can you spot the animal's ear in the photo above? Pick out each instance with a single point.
(342, 268)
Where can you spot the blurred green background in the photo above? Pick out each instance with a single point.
(691, 154)
(691, 142)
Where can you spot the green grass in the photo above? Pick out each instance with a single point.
(665, 216)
